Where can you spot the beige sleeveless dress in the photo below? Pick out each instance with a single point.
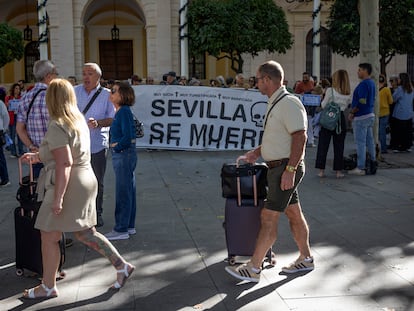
(79, 210)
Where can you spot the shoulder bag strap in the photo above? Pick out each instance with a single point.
(274, 104)
(92, 100)
(31, 103)
(338, 128)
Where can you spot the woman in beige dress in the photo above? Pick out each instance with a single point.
(67, 186)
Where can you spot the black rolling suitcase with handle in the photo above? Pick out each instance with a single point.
(244, 188)
(27, 237)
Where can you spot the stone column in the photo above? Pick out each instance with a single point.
(62, 36)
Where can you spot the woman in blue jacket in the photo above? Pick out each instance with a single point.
(401, 133)
(124, 161)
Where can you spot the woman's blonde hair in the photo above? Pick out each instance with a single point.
(62, 105)
(340, 82)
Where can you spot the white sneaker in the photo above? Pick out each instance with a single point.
(244, 272)
(356, 171)
(114, 235)
(132, 231)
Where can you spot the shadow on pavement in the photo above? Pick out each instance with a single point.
(82, 303)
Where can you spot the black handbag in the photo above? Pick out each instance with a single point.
(248, 175)
(2, 138)
(139, 127)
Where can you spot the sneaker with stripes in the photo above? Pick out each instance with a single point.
(300, 265)
(244, 272)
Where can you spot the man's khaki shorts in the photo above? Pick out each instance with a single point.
(278, 199)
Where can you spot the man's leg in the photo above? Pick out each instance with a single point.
(299, 228)
(300, 232)
(360, 136)
(370, 138)
(267, 236)
(98, 162)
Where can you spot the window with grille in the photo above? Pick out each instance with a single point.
(325, 54)
(31, 55)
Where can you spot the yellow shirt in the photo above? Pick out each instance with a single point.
(286, 118)
(385, 100)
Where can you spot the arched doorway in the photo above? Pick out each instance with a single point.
(125, 56)
(325, 54)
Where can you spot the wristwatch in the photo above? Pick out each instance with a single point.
(290, 168)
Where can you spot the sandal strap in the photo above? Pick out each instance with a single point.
(117, 285)
(49, 291)
(30, 293)
(124, 270)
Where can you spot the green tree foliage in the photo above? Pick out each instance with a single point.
(229, 28)
(11, 42)
(396, 32)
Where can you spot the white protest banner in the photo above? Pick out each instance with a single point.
(311, 100)
(199, 118)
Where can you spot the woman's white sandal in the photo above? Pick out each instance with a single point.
(30, 293)
(126, 274)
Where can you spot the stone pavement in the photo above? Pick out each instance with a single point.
(362, 237)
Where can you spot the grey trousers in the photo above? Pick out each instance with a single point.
(98, 162)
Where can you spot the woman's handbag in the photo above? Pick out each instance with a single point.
(236, 175)
(139, 127)
(331, 116)
(2, 138)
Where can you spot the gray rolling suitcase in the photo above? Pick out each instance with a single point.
(242, 218)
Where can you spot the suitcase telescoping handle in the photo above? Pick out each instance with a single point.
(239, 198)
(31, 178)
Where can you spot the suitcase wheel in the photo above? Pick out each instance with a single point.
(232, 260)
(19, 272)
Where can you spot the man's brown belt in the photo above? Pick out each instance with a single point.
(276, 163)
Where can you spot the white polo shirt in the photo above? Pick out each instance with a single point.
(287, 117)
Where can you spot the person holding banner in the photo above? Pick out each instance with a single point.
(340, 93)
(283, 149)
(12, 103)
(305, 87)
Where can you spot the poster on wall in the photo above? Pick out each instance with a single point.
(199, 118)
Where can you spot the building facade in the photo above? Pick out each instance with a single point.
(79, 31)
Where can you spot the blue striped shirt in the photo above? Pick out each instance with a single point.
(102, 108)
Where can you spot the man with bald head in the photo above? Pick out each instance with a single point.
(93, 102)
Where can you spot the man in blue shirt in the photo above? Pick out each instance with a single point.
(99, 116)
(363, 117)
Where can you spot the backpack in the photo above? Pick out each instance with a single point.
(371, 166)
(331, 116)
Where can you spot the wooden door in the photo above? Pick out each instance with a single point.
(116, 59)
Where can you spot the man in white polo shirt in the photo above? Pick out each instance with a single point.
(283, 149)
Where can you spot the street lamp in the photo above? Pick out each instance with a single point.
(115, 30)
(27, 32)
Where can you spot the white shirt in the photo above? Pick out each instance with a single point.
(342, 100)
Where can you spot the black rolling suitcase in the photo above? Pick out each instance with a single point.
(244, 187)
(27, 238)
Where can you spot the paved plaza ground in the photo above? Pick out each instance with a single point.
(362, 237)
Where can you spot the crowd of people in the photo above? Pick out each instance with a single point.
(67, 129)
(171, 78)
(67, 138)
(357, 113)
